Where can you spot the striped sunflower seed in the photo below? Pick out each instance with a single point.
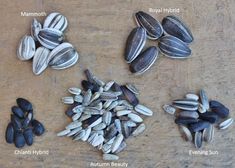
(96, 122)
(192, 96)
(78, 98)
(121, 147)
(204, 99)
(35, 28)
(107, 117)
(87, 134)
(74, 131)
(198, 140)
(64, 132)
(131, 123)
(225, 124)
(135, 43)
(186, 133)
(40, 60)
(56, 20)
(108, 85)
(98, 140)
(87, 97)
(189, 114)
(118, 140)
(208, 133)
(67, 100)
(74, 91)
(135, 118)
(76, 116)
(143, 110)
(169, 109)
(26, 49)
(100, 126)
(132, 88)
(186, 102)
(79, 135)
(73, 125)
(123, 112)
(140, 129)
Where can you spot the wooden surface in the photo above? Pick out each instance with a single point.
(98, 29)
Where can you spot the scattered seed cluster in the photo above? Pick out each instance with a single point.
(52, 50)
(172, 34)
(22, 126)
(104, 115)
(198, 116)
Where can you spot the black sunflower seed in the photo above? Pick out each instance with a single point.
(198, 126)
(9, 133)
(209, 116)
(19, 139)
(38, 128)
(16, 122)
(28, 136)
(130, 97)
(17, 111)
(24, 104)
(185, 120)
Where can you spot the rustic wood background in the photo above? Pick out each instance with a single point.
(98, 29)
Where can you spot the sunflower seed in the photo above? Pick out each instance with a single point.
(84, 117)
(185, 107)
(50, 38)
(225, 124)
(108, 85)
(135, 118)
(107, 117)
(110, 157)
(112, 105)
(26, 49)
(143, 110)
(186, 133)
(87, 97)
(67, 100)
(108, 96)
(78, 109)
(130, 97)
(98, 140)
(78, 98)
(106, 148)
(152, 26)
(40, 60)
(118, 140)
(176, 27)
(87, 134)
(95, 96)
(125, 129)
(186, 102)
(35, 28)
(63, 56)
(132, 88)
(123, 112)
(198, 140)
(189, 114)
(64, 132)
(209, 116)
(79, 135)
(140, 129)
(173, 47)
(92, 137)
(130, 123)
(219, 109)
(100, 126)
(208, 133)
(121, 147)
(74, 131)
(74, 91)
(118, 125)
(107, 103)
(135, 43)
(119, 108)
(111, 131)
(92, 111)
(98, 81)
(192, 96)
(201, 108)
(73, 125)
(9, 135)
(204, 99)
(169, 109)
(185, 120)
(99, 120)
(76, 116)
(144, 61)
(198, 126)
(56, 20)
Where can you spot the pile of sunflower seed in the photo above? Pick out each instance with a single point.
(198, 116)
(172, 34)
(23, 125)
(52, 49)
(104, 115)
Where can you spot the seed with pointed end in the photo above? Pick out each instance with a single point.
(17, 111)
(50, 37)
(74, 90)
(173, 47)
(64, 132)
(210, 117)
(152, 26)
(135, 118)
(35, 28)
(73, 125)
(198, 140)
(176, 27)
(132, 88)
(19, 139)
(26, 49)
(186, 133)
(24, 104)
(79, 135)
(9, 136)
(186, 107)
(140, 129)
(144, 61)
(28, 136)
(16, 122)
(143, 110)
(110, 132)
(219, 109)
(135, 43)
(118, 140)
(40, 60)
(130, 97)
(169, 109)
(185, 120)
(110, 157)
(208, 133)
(198, 126)
(63, 56)
(56, 20)
(204, 99)
(225, 124)
(98, 140)
(87, 134)
(108, 85)
(38, 128)
(107, 117)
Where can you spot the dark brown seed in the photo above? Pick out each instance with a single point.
(24, 104)
(19, 139)
(135, 43)
(17, 111)
(144, 61)
(130, 97)
(9, 133)
(28, 136)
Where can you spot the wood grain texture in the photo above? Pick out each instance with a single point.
(98, 29)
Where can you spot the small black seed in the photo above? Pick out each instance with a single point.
(17, 111)
(16, 122)
(209, 116)
(87, 85)
(9, 133)
(28, 135)
(198, 126)
(38, 128)
(24, 104)
(185, 120)
(19, 139)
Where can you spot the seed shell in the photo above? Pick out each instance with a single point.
(118, 140)
(169, 109)
(35, 28)
(225, 124)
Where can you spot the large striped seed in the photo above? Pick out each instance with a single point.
(123, 112)
(152, 26)
(198, 126)
(185, 107)
(26, 48)
(118, 140)
(176, 27)
(130, 97)
(189, 114)
(50, 37)
(110, 157)
(173, 47)
(63, 56)
(144, 61)
(187, 135)
(35, 28)
(108, 96)
(56, 20)
(225, 124)
(140, 129)
(208, 133)
(143, 110)
(40, 60)
(135, 118)
(132, 88)
(135, 43)
(201, 108)
(186, 102)
(204, 99)
(74, 90)
(198, 140)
